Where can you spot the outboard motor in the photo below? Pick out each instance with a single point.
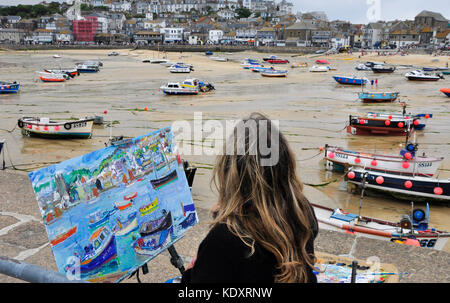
(420, 218)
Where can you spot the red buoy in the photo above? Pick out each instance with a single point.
(351, 175)
(331, 155)
(408, 184)
(405, 164)
(380, 180)
(373, 163)
(358, 160)
(438, 190)
(427, 116)
(408, 155)
(387, 122)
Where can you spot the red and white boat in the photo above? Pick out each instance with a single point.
(412, 229)
(339, 159)
(278, 61)
(122, 205)
(322, 61)
(52, 77)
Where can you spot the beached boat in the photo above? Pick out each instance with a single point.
(362, 67)
(64, 235)
(418, 122)
(87, 68)
(446, 91)
(417, 75)
(411, 226)
(208, 53)
(52, 77)
(155, 60)
(220, 59)
(9, 87)
(250, 65)
(353, 80)
(319, 69)
(322, 61)
(126, 226)
(299, 64)
(340, 159)
(113, 53)
(167, 63)
(259, 69)
(270, 58)
(383, 69)
(44, 127)
(202, 86)
(371, 64)
(412, 188)
(101, 251)
(176, 68)
(446, 72)
(71, 72)
(278, 61)
(160, 182)
(56, 56)
(175, 88)
(376, 125)
(373, 97)
(274, 73)
(149, 208)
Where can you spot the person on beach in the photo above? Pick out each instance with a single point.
(264, 227)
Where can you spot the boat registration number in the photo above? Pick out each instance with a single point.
(80, 124)
(425, 164)
(341, 156)
(427, 243)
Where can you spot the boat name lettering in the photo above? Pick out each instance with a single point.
(341, 156)
(427, 243)
(425, 164)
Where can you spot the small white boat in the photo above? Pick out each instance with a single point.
(56, 56)
(418, 75)
(44, 127)
(319, 68)
(274, 73)
(155, 60)
(338, 159)
(113, 53)
(175, 88)
(220, 59)
(167, 63)
(363, 67)
(179, 69)
(415, 225)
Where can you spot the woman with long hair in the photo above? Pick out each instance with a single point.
(264, 227)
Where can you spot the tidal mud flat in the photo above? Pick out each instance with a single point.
(311, 107)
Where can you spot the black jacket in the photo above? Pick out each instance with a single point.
(223, 258)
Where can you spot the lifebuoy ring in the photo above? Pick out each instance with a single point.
(20, 123)
(67, 126)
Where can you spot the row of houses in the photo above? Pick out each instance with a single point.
(286, 29)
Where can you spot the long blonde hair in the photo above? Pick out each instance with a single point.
(265, 204)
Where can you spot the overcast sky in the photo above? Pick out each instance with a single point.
(356, 11)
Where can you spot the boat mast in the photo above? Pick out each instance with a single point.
(363, 187)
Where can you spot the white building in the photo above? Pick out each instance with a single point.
(226, 14)
(172, 34)
(215, 35)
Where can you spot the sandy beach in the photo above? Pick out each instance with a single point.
(311, 107)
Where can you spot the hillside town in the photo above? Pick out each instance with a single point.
(217, 22)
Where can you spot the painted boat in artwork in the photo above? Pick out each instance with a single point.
(102, 250)
(376, 125)
(46, 128)
(9, 87)
(122, 205)
(350, 80)
(414, 226)
(150, 227)
(188, 221)
(98, 219)
(64, 236)
(149, 208)
(446, 91)
(418, 75)
(339, 159)
(412, 188)
(374, 97)
(126, 226)
(172, 176)
(274, 73)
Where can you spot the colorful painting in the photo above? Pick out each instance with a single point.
(112, 210)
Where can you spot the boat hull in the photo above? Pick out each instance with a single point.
(377, 97)
(108, 254)
(349, 81)
(81, 129)
(9, 88)
(157, 183)
(422, 189)
(340, 159)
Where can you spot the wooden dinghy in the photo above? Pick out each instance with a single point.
(46, 128)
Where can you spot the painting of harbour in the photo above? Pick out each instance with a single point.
(110, 211)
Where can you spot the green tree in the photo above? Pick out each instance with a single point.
(243, 12)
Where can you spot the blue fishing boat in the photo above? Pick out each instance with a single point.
(98, 219)
(9, 87)
(259, 69)
(353, 80)
(188, 221)
(101, 251)
(370, 97)
(208, 53)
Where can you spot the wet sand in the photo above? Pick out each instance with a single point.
(311, 107)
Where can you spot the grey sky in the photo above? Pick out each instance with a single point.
(351, 10)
